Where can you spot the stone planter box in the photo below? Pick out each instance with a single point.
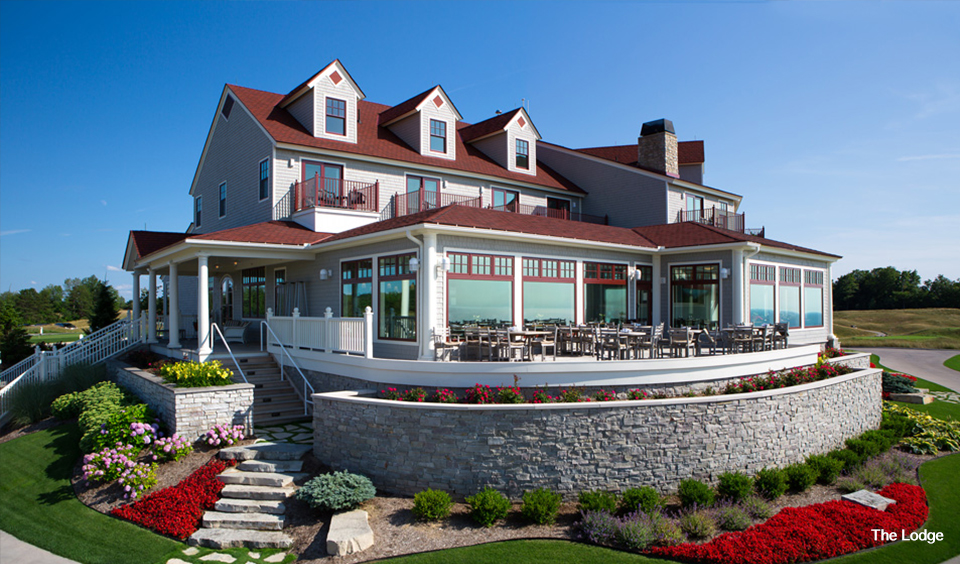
(188, 412)
(853, 360)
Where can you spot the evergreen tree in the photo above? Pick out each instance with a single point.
(14, 340)
(105, 307)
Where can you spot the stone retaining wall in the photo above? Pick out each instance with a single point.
(854, 360)
(407, 447)
(189, 412)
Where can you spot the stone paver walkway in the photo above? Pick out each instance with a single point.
(296, 433)
(251, 556)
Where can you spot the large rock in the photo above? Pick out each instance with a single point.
(869, 499)
(349, 532)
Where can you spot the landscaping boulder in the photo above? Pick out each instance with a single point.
(349, 532)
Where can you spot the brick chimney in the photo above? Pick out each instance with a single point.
(657, 148)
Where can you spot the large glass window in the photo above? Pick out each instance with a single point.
(762, 289)
(505, 200)
(336, 116)
(329, 178)
(480, 290)
(523, 154)
(549, 291)
(695, 296)
(790, 296)
(605, 292)
(694, 207)
(422, 193)
(438, 136)
(254, 291)
(812, 298)
(644, 292)
(356, 282)
(398, 298)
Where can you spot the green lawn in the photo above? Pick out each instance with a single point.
(933, 328)
(527, 552)
(953, 362)
(54, 338)
(939, 409)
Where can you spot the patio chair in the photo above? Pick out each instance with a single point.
(726, 341)
(743, 338)
(444, 346)
(763, 339)
(234, 331)
(681, 340)
(610, 345)
(657, 341)
(547, 342)
(473, 343)
(513, 346)
(781, 332)
(706, 341)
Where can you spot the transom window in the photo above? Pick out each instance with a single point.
(438, 136)
(549, 268)
(763, 273)
(264, 179)
(523, 154)
(336, 116)
(813, 277)
(789, 275)
(604, 273)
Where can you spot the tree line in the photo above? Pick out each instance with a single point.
(889, 288)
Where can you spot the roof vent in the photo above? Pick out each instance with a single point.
(657, 126)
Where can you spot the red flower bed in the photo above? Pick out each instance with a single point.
(176, 511)
(815, 532)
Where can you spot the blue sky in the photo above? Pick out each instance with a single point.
(838, 122)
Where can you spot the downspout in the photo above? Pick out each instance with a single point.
(656, 290)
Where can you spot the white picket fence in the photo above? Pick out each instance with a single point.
(350, 335)
(43, 366)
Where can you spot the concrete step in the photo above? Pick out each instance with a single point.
(255, 521)
(265, 451)
(270, 465)
(242, 491)
(277, 402)
(230, 505)
(272, 479)
(235, 538)
(274, 419)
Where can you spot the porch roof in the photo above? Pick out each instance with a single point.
(693, 234)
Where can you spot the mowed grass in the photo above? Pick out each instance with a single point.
(40, 508)
(953, 362)
(938, 409)
(54, 338)
(527, 552)
(934, 328)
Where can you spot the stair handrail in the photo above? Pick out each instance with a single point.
(283, 349)
(213, 326)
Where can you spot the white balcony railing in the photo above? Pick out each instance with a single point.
(350, 335)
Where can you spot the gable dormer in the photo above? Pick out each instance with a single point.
(427, 122)
(510, 139)
(326, 104)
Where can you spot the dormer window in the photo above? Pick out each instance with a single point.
(523, 154)
(438, 136)
(336, 116)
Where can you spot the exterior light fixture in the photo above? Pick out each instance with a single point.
(443, 265)
(414, 264)
(325, 273)
(724, 273)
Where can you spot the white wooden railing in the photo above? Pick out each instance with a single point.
(350, 335)
(45, 366)
(304, 395)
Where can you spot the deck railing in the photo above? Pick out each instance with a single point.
(544, 211)
(715, 217)
(421, 200)
(350, 335)
(324, 192)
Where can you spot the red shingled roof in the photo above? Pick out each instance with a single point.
(404, 107)
(376, 141)
(148, 242)
(688, 152)
(487, 126)
(269, 232)
(691, 234)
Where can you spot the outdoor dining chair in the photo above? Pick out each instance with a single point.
(444, 346)
(681, 340)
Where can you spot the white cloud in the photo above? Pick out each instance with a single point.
(104, 202)
(930, 157)
(112, 268)
(33, 282)
(14, 232)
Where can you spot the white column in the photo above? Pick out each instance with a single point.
(203, 313)
(152, 308)
(656, 292)
(137, 324)
(517, 290)
(739, 288)
(429, 277)
(174, 302)
(631, 312)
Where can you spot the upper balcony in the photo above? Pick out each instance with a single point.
(324, 192)
(719, 218)
(422, 200)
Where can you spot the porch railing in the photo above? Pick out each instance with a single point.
(306, 397)
(544, 211)
(715, 217)
(422, 200)
(324, 192)
(349, 335)
(46, 366)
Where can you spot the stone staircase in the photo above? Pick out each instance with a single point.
(251, 508)
(275, 401)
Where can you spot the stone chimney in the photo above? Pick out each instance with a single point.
(657, 148)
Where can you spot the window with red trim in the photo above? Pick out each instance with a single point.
(480, 290)
(336, 116)
(605, 292)
(438, 136)
(523, 154)
(356, 287)
(398, 298)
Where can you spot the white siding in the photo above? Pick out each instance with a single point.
(233, 156)
(692, 173)
(324, 88)
(677, 202)
(495, 147)
(444, 113)
(408, 129)
(514, 132)
(302, 110)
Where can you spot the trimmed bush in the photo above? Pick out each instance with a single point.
(698, 524)
(337, 491)
(67, 406)
(756, 507)
(644, 498)
(883, 439)
(826, 468)
(693, 491)
(541, 506)
(488, 506)
(771, 483)
(800, 477)
(734, 486)
(598, 501)
(851, 460)
(733, 518)
(864, 448)
(431, 505)
(897, 384)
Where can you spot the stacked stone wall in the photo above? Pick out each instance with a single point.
(189, 412)
(407, 447)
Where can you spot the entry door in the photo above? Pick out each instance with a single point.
(330, 178)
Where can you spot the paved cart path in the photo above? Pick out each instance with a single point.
(922, 363)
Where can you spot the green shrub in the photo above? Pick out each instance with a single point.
(541, 506)
(864, 448)
(826, 468)
(733, 518)
(771, 483)
(897, 384)
(116, 428)
(431, 505)
(598, 501)
(337, 491)
(897, 424)
(414, 394)
(644, 498)
(488, 506)
(191, 374)
(850, 459)
(67, 406)
(884, 439)
(635, 534)
(756, 507)
(849, 485)
(30, 402)
(734, 486)
(668, 533)
(510, 394)
(693, 491)
(698, 524)
(800, 477)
